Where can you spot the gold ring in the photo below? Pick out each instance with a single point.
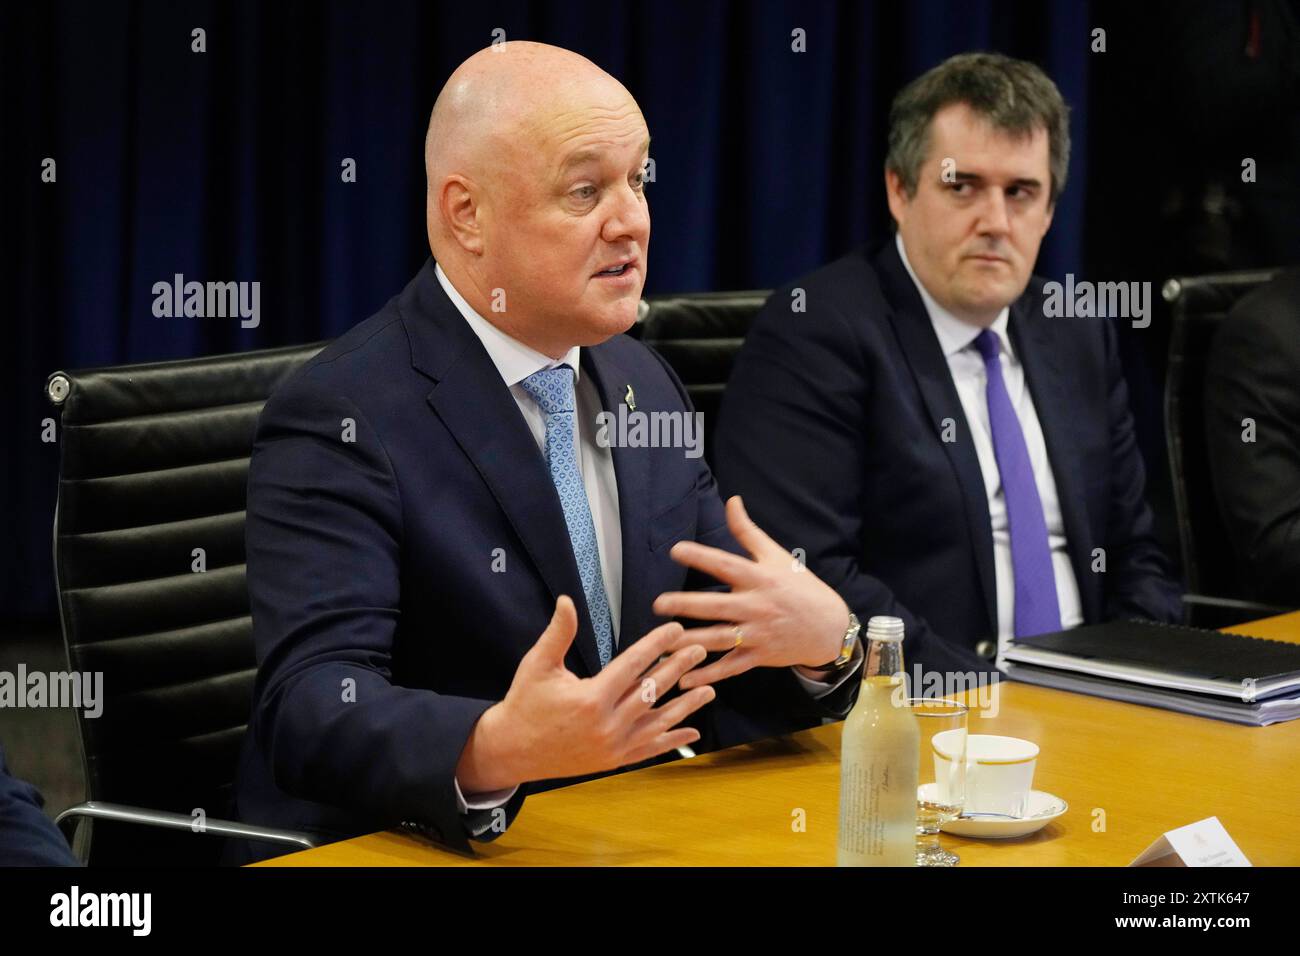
(740, 637)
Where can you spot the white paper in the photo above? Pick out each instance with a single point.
(1204, 843)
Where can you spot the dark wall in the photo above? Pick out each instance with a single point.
(226, 164)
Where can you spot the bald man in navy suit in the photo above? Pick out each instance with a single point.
(435, 486)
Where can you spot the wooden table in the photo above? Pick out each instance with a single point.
(1129, 773)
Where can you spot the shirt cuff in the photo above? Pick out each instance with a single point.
(820, 688)
(481, 801)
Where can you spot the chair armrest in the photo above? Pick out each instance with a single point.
(1205, 610)
(67, 822)
(1234, 604)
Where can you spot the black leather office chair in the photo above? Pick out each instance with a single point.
(1198, 305)
(149, 564)
(699, 334)
(152, 484)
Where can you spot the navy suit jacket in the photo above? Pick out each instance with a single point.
(832, 429)
(383, 620)
(27, 836)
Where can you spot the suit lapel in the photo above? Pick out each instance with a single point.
(1033, 336)
(632, 473)
(929, 367)
(481, 414)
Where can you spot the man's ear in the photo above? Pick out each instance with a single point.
(1047, 223)
(896, 195)
(457, 203)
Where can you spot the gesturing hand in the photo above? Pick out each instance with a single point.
(778, 612)
(553, 723)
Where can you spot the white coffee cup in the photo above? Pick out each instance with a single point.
(999, 770)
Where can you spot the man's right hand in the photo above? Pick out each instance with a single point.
(553, 723)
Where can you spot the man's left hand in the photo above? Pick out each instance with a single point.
(779, 612)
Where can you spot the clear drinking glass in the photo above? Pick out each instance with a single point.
(941, 775)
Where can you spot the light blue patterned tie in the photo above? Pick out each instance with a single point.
(552, 389)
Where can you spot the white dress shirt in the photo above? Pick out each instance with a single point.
(966, 365)
(516, 361)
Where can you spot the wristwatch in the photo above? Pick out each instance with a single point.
(846, 646)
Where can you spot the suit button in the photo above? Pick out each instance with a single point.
(987, 649)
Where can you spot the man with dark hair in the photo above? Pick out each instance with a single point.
(1252, 422)
(938, 447)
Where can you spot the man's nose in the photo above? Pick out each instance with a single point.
(993, 216)
(628, 218)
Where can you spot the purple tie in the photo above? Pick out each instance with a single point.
(1037, 611)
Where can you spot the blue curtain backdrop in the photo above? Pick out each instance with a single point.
(226, 164)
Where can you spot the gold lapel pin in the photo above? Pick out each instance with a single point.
(629, 399)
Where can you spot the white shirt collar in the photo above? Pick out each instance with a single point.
(513, 359)
(954, 334)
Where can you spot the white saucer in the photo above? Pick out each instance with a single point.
(1042, 808)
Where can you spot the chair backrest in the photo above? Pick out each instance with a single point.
(149, 557)
(1199, 304)
(149, 564)
(699, 334)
